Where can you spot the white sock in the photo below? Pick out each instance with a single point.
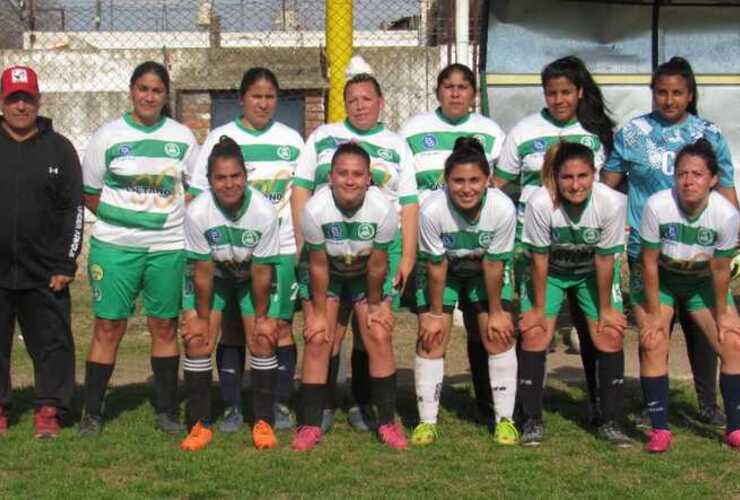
(428, 377)
(502, 370)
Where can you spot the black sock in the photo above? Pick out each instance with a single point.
(331, 384)
(531, 377)
(230, 362)
(313, 401)
(589, 353)
(264, 375)
(610, 367)
(286, 358)
(655, 392)
(198, 372)
(361, 377)
(730, 387)
(703, 360)
(165, 383)
(97, 376)
(383, 390)
(478, 359)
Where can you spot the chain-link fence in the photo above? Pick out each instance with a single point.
(85, 51)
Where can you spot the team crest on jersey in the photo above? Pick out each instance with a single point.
(484, 239)
(448, 240)
(429, 141)
(214, 236)
(96, 272)
(250, 238)
(385, 154)
(705, 237)
(590, 235)
(539, 145)
(588, 141)
(365, 231)
(171, 149)
(283, 152)
(125, 149)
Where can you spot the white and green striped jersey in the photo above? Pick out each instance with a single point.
(391, 164)
(270, 155)
(572, 240)
(524, 150)
(431, 137)
(138, 171)
(348, 239)
(232, 241)
(687, 244)
(444, 232)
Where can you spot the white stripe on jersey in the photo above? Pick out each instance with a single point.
(138, 172)
(270, 155)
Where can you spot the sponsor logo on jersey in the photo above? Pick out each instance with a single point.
(96, 272)
(250, 238)
(214, 236)
(448, 240)
(484, 238)
(334, 231)
(385, 154)
(97, 293)
(429, 141)
(365, 231)
(588, 141)
(172, 149)
(555, 234)
(669, 232)
(284, 152)
(705, 237)
(590, 235)
(539, 145)
(125, 149)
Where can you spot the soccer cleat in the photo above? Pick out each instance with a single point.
(533, 432)
(506, 432)
(283, 418)
(46, 422)
(3, 421)
(232, 421)
(327, 419)
(168, 422)
(612, 432)
(263, 436)
(659, 440)
(424, 433)
(392, 434)
(199, 437)
(362, 418)
(306, 437)
(732, 439)
(713, 416)
(90, 425)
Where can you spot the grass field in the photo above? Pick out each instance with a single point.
(132, 460)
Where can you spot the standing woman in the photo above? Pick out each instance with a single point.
(133, 176)
(348, 228)
(688, 236)
(645, 150)
(392, 170)
(270, 151)
(466, 236)
(573, 232)
(432, 137)
(232, 243)
(574, 112)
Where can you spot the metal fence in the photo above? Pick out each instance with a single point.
(84, 51)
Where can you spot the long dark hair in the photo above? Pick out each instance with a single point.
(555, 158)
(161, 71)
(678, 66)
(592, 112)
(226, 147)
(467, 150)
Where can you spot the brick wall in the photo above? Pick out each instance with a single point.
(194, 111)
(314, 112)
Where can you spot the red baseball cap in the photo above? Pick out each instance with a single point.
(19, 79)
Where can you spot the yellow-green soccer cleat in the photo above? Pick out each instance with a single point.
(506, 433)
(424, 433)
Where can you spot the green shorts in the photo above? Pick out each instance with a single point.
(585, 288)
(694, 293)
(285, 288)
(464, 292)
(232, 298)
(118, 274)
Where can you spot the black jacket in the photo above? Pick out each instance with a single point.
(41, 208)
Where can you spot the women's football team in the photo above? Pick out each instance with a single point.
(229, 237)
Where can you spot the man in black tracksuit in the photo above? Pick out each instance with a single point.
(41, 215)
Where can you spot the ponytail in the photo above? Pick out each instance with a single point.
(226, 147)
